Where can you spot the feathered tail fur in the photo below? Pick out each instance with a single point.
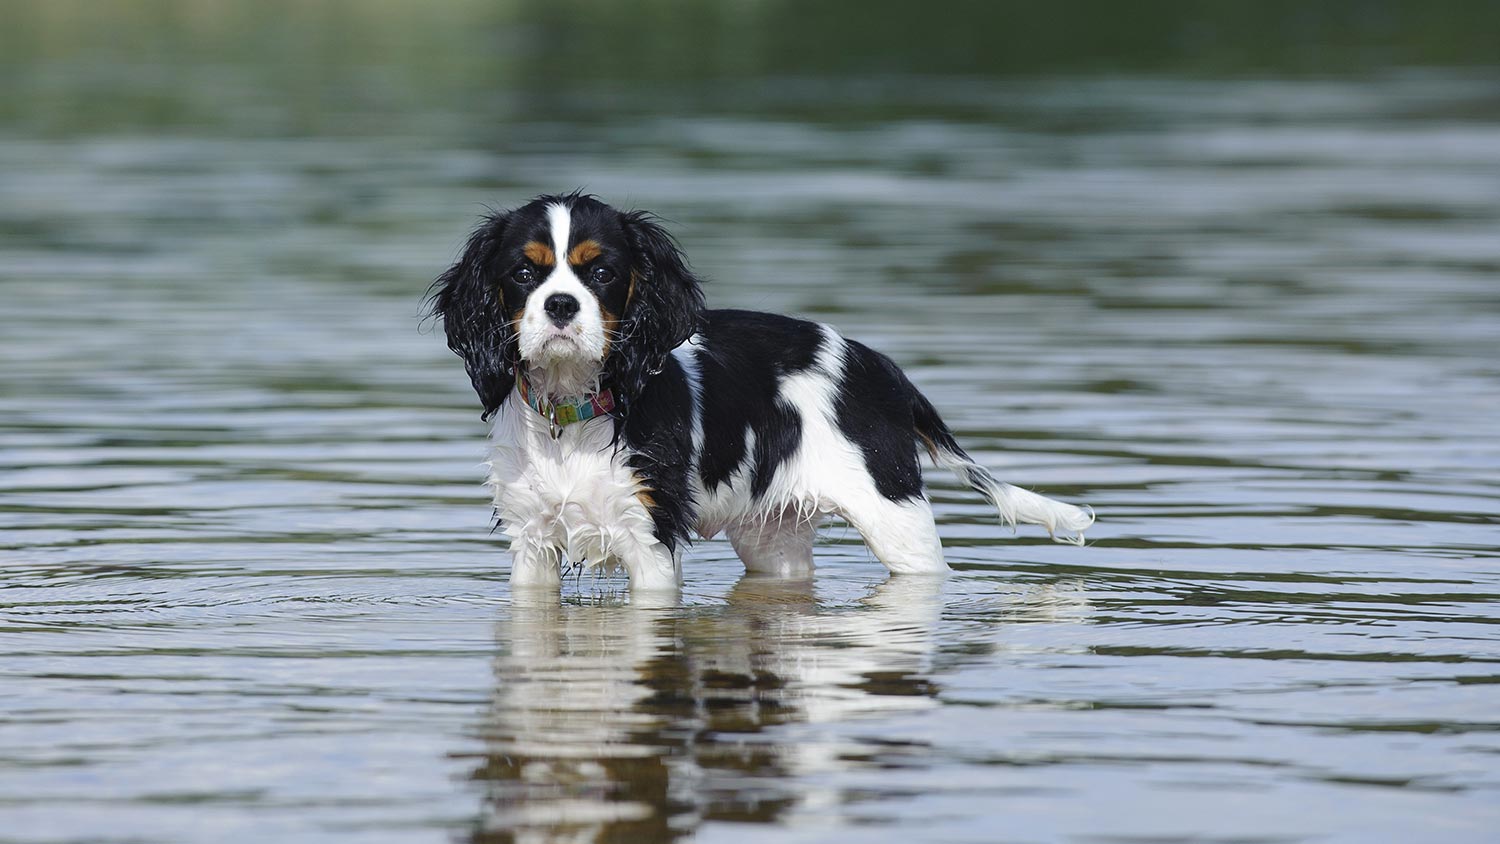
(1064, 522)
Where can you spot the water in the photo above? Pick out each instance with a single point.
(248, 592)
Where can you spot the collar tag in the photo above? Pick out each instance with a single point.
(563, 412)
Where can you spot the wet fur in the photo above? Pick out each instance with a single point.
(752, 424)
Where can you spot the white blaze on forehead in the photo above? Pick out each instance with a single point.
(562, 369)
(560, 219)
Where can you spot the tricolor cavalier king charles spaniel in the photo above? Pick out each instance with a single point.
(628, 416)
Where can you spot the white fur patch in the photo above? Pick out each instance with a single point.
(562, 360)
(571, 497)
(687, 358)
(560, 221)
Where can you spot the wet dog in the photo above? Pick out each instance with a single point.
(627, 416)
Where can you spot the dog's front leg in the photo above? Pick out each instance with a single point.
(652, 568)
(534, 565)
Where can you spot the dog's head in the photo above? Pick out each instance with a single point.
(571, 293)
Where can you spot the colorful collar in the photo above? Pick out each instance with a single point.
(569, 410)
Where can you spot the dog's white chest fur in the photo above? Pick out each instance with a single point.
(570, 497)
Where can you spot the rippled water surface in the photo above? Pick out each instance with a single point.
(249, 591)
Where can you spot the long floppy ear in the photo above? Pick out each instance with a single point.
(473, 311)
(665, 306)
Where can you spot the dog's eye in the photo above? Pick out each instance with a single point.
(602, 275)
(523, 275)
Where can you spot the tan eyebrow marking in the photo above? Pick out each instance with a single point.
(539, 253)
(585, 251)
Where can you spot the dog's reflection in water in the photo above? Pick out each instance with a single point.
(628, 723)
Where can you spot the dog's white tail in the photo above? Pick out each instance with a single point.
(1064, 522)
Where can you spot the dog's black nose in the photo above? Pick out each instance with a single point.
(561, 307)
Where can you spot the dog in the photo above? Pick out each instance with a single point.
(628, 416)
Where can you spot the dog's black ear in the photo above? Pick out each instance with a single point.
(664, 308)
(469, 299)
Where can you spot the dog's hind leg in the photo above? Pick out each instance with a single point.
(781, 545)
(901, 534)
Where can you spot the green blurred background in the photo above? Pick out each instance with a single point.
(320, 65)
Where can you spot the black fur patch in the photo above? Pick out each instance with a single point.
(658, 436)
(874, 408)
(742, 359)
(474, 313)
